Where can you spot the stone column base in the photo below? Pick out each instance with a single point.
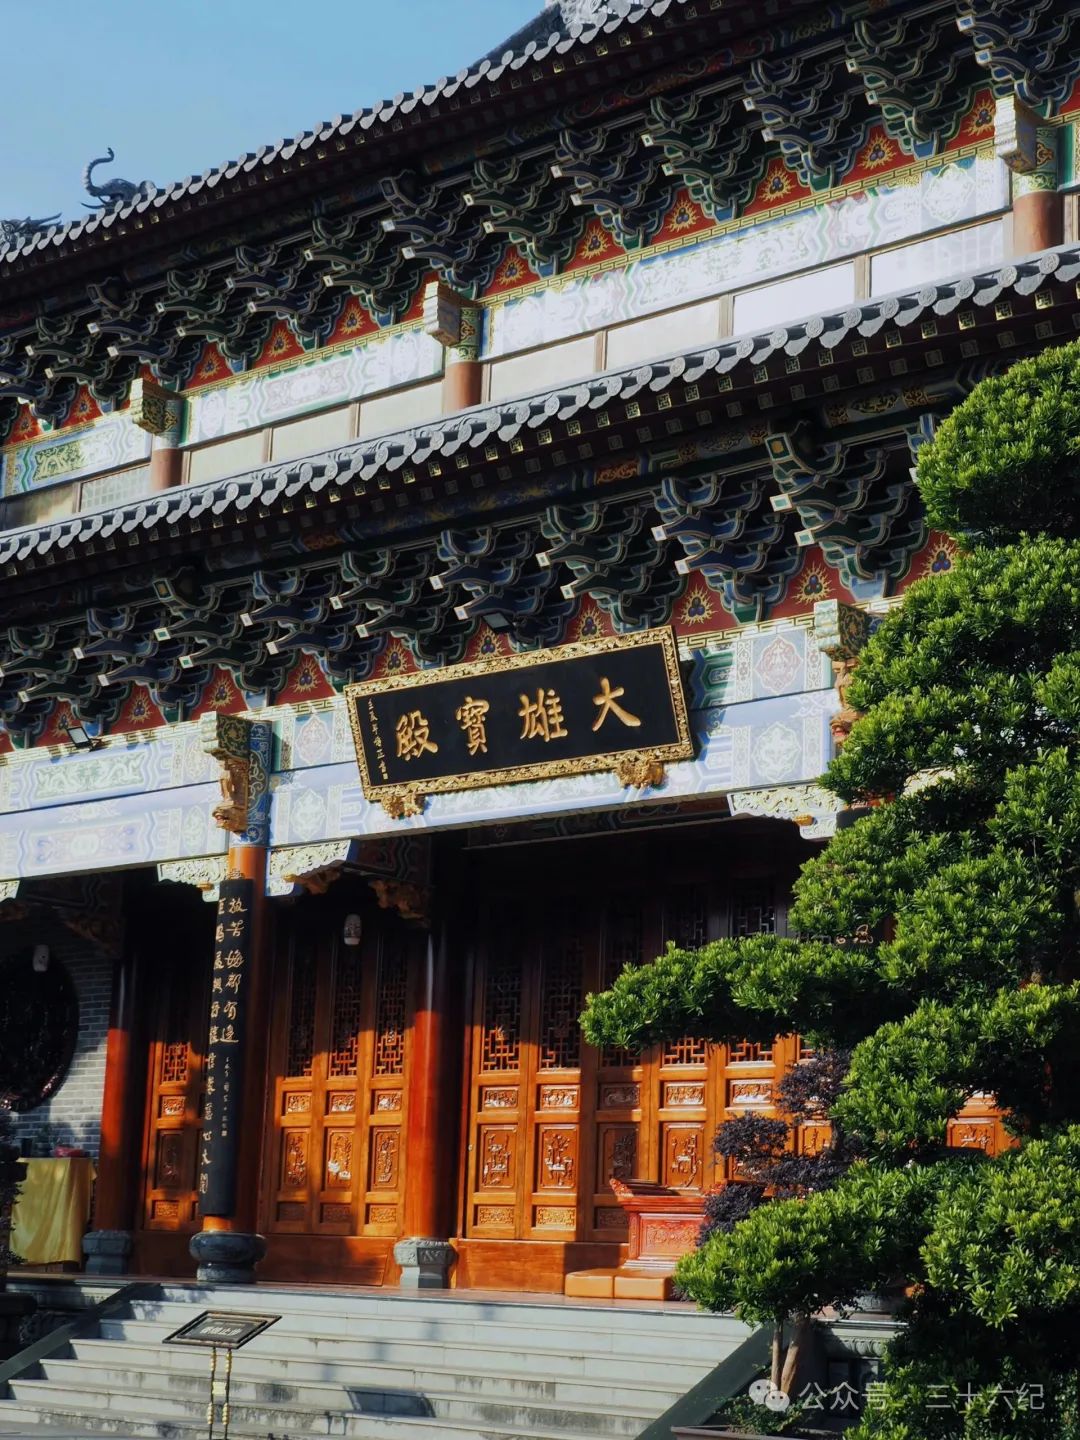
(425, 1264)
(107, 1251)
(226, 1257)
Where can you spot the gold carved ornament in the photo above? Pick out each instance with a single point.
(227, 738)
(640, 771)
(412, 902)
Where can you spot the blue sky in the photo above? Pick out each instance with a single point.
(175, 88)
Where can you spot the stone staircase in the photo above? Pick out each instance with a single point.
(380, 1365)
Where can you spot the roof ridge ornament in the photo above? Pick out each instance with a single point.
(116, 191)
(14, 232)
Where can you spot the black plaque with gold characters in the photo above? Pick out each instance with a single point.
(225, 1049)
(221, 1329)
(610, 704)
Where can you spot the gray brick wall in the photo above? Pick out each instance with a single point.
(72, 1116)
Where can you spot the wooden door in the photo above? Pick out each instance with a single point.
(175, 1088)
(338, 1068)
(553, 1121)
(616, 1078)
(502, 1061)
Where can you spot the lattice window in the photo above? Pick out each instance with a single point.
(686, 918)
(390, 1016)
(686, 923)
(802, 1050)
(301, 1048)
(746, 1052)
(624, 944)
(500, 1047)
(562, 997)
(174, 1051)
(687, 1050)
(174, 1062)
(754, 911)
(345, 1019)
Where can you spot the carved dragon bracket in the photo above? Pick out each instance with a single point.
(228, 738)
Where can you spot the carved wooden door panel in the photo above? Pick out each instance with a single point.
(338, 1071)
(617, 1077)
(657, 1111)
(685, 1109)
(555, 1156)
(499, 1109)
(748, 1071)
(174, 1108)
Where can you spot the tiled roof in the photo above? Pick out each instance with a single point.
(555, 32)
(557, 17)
(807, 343)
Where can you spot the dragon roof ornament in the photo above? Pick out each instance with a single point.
(14, 232)
(114, 192)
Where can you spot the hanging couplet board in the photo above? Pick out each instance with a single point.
(225, 1049)
(563, 711)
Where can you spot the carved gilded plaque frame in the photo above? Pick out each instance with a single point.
(649, 679)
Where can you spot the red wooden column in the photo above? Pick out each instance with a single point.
(229, 1246)
(1038, 220)
(161, 413)
(1030, 150)
(455, 323)
(166, 466)
(108, 1246)
(433, 1105)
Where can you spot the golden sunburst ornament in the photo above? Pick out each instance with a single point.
(353, 319)
(940, 560)
(982, 117)
(685, 216)
(596, 242)
(696, 608)
(223, 693)
(814, 585)
(511, 270)
(777, 184)
(879, 151)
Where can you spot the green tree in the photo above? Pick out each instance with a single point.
(965, 873)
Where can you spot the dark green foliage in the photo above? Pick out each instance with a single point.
(908, 1078)
(794, 1257)
(1008, 458)
(761, 1149)
(734, 988)
(990, 1351)
(939, 938)
(745, 1417)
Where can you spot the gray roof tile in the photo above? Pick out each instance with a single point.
(505, 420)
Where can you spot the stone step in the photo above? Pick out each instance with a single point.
(356, 1347)
(62, 1294)
(467, 1373)
(441, 1309)
(375, 1365)
(72, 1419)
(327, 1411)
(575, 1334)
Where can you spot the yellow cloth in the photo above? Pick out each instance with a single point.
(49, 1218)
